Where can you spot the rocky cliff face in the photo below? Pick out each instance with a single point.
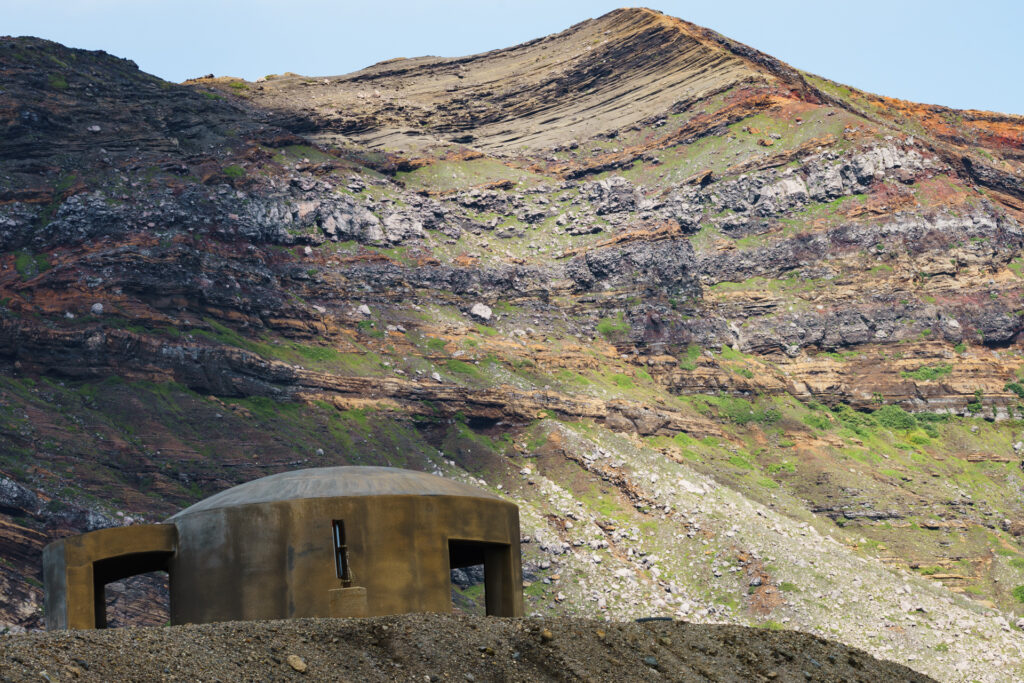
(742, 342)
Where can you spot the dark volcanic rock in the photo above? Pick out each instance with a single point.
(667, 266)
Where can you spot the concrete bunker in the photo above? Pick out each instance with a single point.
(325, 542)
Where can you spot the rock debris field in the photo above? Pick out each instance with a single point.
(435, 647)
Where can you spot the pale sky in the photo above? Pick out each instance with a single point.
(962, 53)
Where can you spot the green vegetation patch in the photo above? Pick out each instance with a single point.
(820, 422)
(1015, 387)
(435, 344)
(613, 326)
(741, 411)
(740, 462)
(462, 368)
(929, 373)
(772, 625)
(857, 422)
(318, 356)
(369, 329)
(688, 361)
(453, 175)
(919, 437)
(621, 380)
(894, 417)
(29, 265)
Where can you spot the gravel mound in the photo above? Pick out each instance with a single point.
(438, 647)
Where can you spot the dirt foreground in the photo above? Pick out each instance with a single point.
(435, 647)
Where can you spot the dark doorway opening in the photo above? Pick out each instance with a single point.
(142, 600)
(481, 575)
(131, 590)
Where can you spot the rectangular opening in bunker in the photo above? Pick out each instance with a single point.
(466, 560)
(131, 590)
(140, 600)
(482, 577)
(341, 554)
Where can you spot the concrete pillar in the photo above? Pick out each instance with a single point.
(76, 569)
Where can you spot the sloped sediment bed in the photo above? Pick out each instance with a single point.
(435, 647)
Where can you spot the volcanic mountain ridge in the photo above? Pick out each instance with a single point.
(742, 342)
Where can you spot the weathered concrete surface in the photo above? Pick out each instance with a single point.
(76, 569)
(267, 550)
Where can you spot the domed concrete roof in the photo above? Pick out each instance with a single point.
(335, 482)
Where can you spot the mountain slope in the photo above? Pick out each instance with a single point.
(598, 75)
(743, 343)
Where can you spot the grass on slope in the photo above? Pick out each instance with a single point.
(459, 175)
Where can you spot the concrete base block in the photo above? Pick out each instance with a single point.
(348, 602)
